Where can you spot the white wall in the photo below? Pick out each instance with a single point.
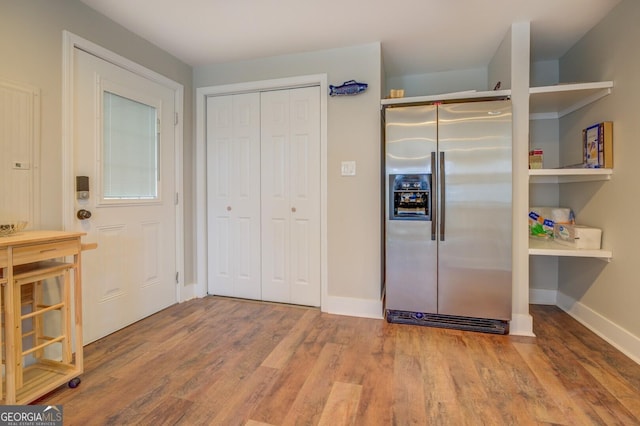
(353, 229)
(545, 73)
(439, 82)
(607, 294)
(499, 69)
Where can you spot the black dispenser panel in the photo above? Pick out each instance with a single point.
(410, 197)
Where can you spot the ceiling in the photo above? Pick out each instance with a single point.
(417, 36)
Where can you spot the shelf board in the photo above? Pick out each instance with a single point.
(542, 247)
(568, 175)
(471, 94)
(549, 102)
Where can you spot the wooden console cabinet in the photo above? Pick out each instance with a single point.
(41, 310)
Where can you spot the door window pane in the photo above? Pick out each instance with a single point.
(130, 149)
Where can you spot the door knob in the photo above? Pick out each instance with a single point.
(293, 209)
(228, 208)
(83, 214)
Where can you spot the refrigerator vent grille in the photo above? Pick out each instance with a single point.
(449, 321)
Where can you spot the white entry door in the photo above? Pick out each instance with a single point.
(290, 195)
(233, 195)
(124, 144)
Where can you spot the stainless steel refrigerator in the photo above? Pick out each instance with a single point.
(448, 214)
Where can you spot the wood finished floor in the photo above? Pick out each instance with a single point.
(217, 361)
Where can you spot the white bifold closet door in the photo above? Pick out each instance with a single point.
(263, 189)
(233, 195)
(290, 194)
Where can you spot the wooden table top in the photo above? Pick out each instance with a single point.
(30, 237)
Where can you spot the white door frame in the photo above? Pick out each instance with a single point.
(201, 167)
(71, 41)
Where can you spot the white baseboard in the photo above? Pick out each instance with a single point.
(617, 336)
(190, 291)
(366, 308)
(350, 306)
(538, 296)
(521, 325)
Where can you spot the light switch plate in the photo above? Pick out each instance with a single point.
(20, 165)
(348, 168)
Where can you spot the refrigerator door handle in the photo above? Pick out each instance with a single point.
(434, 204)
(442, 185)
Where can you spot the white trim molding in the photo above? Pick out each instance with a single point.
(201, 168)
(611, 332)
(364, 308)
(521, 325)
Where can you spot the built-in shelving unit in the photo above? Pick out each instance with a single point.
(554, 102)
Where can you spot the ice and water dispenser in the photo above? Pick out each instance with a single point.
(410, 197)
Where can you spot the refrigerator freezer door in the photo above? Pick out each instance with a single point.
(474, 271)
(411, 253)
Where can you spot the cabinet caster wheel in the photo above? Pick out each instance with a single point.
(73, 383)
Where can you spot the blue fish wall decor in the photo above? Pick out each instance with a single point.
(350, 87)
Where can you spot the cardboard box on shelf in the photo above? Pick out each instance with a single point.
(535, 159)
(577, 236)
(597, 143)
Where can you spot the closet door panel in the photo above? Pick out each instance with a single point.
(291, 195)
(219, 222)
(305, 196)
(275, 196)
(246, 196)
(233, 195)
